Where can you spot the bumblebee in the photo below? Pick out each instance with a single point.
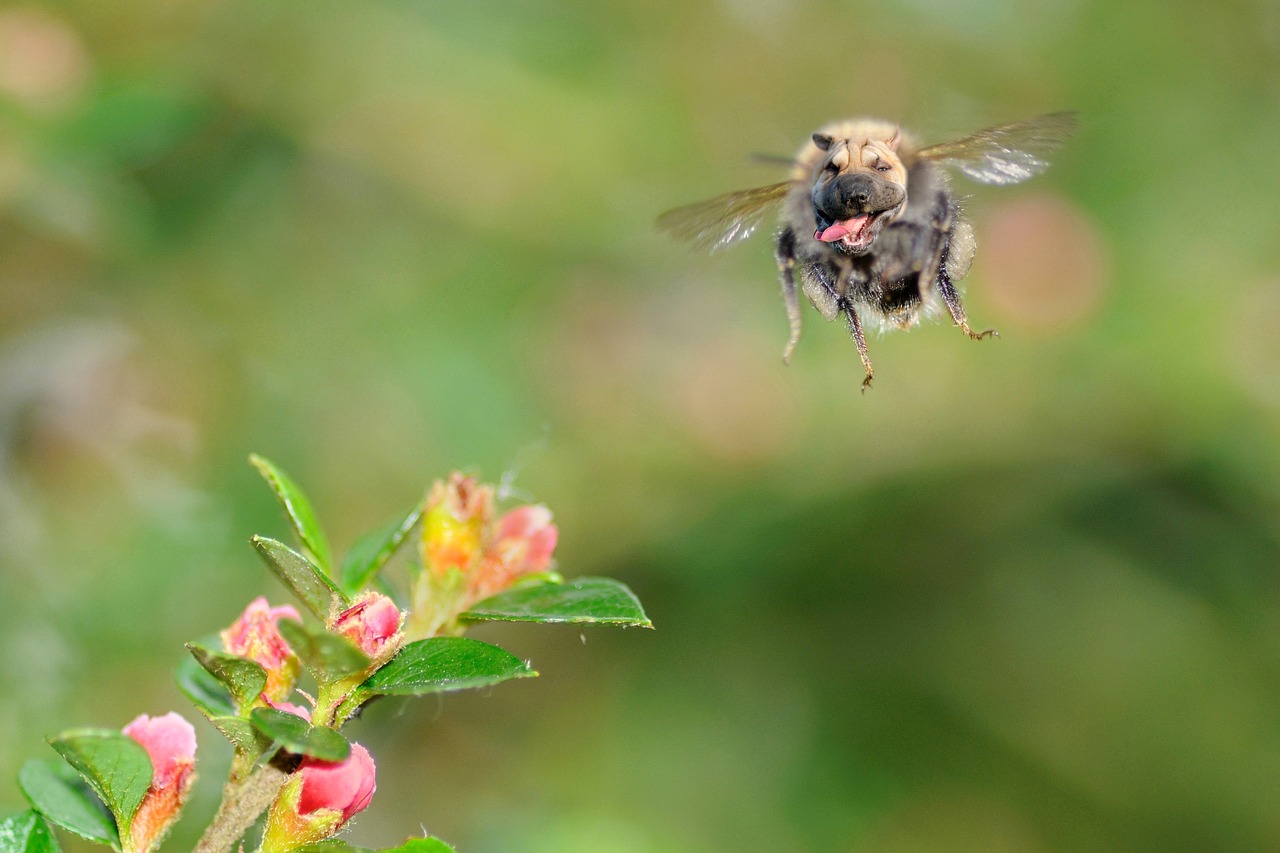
(869, 220)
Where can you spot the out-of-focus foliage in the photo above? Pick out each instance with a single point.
(1021, 596)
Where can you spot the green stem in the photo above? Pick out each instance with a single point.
(328, 698)
(329, 710)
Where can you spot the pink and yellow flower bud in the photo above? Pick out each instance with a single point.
(458, 515)
(319, 799)
(372, 623)
(255, 636)
(523, 545)
(469, 556)
(170, 742)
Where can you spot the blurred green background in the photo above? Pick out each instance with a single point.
(1022, 596)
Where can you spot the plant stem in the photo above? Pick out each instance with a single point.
(241, 805)
(326, 705)
(331, 701)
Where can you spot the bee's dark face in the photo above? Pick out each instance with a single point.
(857, 189)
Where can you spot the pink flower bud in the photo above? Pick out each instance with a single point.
(372, 623)
(321, 797)
(523, 545)
(527, 538)
(344, 786)
(170, 742)
(297, 710)
(255, 636)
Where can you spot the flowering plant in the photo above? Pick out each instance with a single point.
(125, 789)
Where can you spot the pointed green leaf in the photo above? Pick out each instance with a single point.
(298, 508)
(371, 551)
(601, 601)
(243, 736)
(244, 679)
(326, 656)
(298, 736)
(203, 689)
(441, 664)
(298, 573)
(27, 833)
(115, 766)
(57, 792)
(420, 845)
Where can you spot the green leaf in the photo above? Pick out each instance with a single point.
(243, 736)
(298, 508)
(326, 656)
(371, 551)
(600, 601)
(203, 689)
(441, 664)
(57, 792)
(298, 736)
(412, 845)
(298, 573)
(27, 833)
(421, 845)
(244, 679)
(115, 766)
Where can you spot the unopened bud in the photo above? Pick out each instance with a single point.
(170, 742)
(319, 799)
(255, 636)
(372, 623)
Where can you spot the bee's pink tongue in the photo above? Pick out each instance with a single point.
(842, 229)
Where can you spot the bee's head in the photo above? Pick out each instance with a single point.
(859, 185)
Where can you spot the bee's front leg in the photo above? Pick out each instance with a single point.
(784, 250)
(827, 286)
(855, 329)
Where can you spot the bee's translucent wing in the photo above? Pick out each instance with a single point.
(725, 219)
(1006, 153)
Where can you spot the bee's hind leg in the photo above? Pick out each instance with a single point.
(935, 272)
(784, 251)
(855, 329)
(956, 309)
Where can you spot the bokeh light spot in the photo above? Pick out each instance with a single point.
(1041, 262)
(41, 59)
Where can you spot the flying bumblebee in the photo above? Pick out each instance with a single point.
(869, 218)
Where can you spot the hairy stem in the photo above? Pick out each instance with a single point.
(241, 805)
